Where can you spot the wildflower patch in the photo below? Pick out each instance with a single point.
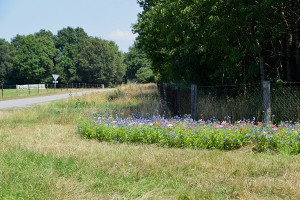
(187, 133)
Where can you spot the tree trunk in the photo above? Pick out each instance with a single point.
(262, 66)
(289, 42)
(261, 54)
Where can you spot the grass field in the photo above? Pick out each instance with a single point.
(42, 157)
(9, 94)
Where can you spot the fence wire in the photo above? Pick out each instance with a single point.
(232, 103)
(285, 101)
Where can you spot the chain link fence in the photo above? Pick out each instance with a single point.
(232, 103)
(285, 101)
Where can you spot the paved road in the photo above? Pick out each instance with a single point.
(29, 101)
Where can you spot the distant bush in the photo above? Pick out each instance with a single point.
(145, 75)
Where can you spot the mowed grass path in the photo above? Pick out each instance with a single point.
(41, 157)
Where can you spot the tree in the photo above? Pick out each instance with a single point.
(146, 4)
(71, 53)
(220, 42)
(118, 62)
(49, 53)
(145, 75)
(134, 60)
(33, 62)
(68, 43)
(6, 59)
(100, 61)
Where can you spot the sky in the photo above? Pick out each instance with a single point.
(106, 19)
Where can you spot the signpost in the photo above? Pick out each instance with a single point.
(55, 77)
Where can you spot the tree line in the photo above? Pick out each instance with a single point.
(139, 66)
(214, 42)
(72, 54)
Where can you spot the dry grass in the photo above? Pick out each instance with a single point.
(89, 169)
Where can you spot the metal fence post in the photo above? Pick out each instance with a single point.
(267, 100)
(193, 101)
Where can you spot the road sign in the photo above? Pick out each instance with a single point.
(55, 76)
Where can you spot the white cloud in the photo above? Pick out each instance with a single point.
(121, 35)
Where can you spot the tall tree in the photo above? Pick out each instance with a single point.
(134, 60)
(69, 42)
(49, 53)
(100, 61)
(71, 53)
(33, 62)
(220, 42)
(118, 62)
(6, 60)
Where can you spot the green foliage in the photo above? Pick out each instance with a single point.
(100, 62)
(6, 56)
(34, 58)
(220, 42)
(69, 42)
(145, 75)
(71, 53)
(70, 35)
(135, 59)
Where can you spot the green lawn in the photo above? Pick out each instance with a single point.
(42, 157)
(9, 94)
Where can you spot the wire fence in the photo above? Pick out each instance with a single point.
(285, 101)
(16, 91)
(232, 103)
